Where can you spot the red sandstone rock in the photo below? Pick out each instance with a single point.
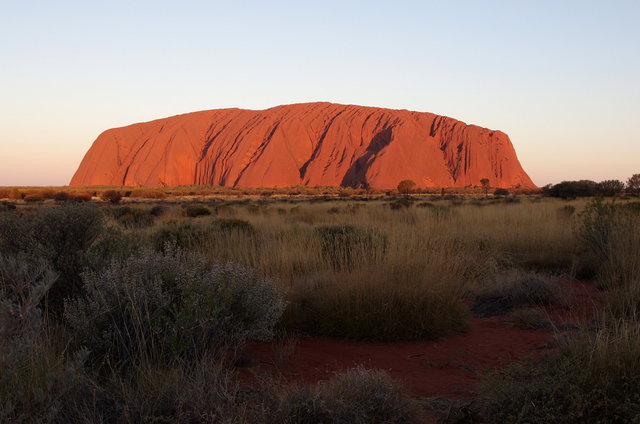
(313, 144)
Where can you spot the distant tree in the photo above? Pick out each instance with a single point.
(485, 186)
(572, 189)
(633, 185)
(406, 186)
(610, 188)
(501, 192)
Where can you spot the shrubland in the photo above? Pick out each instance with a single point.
(137, 313)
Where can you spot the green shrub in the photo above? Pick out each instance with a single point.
(131, 218)
(113, 244)
(34, 378)
(196, 211)
(24, 282)
(501, 192)
(183, 235)
(163, 306)
(61, 236)
(357, 396)
(344, 246)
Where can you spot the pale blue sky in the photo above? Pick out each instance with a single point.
(562, 78)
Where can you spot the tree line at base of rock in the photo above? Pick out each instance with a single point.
(588, 188)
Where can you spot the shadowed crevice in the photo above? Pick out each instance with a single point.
(356, 175)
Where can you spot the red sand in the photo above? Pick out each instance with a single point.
(444, 368)
(313, 144)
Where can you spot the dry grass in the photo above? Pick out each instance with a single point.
(592, 378)
(420, 262)
(395, 270)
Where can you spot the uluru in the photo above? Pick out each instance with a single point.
(311, 144)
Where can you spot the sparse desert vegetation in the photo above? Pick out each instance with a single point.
(140, 310)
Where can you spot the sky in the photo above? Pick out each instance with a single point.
(561, 77)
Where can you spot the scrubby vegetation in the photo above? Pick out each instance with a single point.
(592, 378)
(138, 312)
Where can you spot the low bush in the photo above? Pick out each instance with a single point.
(357, 396)
(202, 391)
(400, 204)
(80, 197)
(183, 235)
(7, 206)
(196, 211)
(131, 218)
(61, 196)
(158, 211)
(33, 198)
(593, 378)
(529, 319)
(511, 290)
(34, 377)
(61, 236)
(233, 225)
(111, 196)
(24, 282)
(158, 307)
(113, 244)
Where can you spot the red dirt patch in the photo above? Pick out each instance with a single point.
(447, 368)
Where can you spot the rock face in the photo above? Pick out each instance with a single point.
(314, 144)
